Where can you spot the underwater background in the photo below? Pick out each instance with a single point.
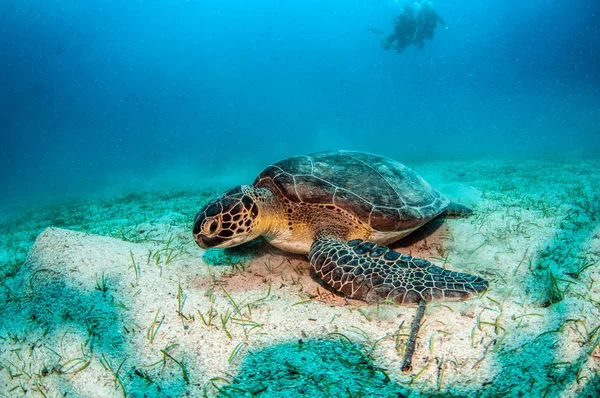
(98, 96)
(119, 120)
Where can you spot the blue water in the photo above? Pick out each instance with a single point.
(100, 93)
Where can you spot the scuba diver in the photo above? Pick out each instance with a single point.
(405, 25)
(412, 26)
(427, 20)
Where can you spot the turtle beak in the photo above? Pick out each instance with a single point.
(206, 242)
(200, 242)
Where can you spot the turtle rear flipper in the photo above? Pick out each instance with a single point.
(366, 271)
(455, 210)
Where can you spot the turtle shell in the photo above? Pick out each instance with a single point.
(379, 191)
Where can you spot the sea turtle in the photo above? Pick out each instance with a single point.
(342, 208)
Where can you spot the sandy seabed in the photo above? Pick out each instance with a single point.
(111, 297)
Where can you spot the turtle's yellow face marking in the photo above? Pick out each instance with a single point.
(227, 220)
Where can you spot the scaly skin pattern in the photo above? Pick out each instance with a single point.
(366, 271)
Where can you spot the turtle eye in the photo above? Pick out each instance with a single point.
(211, 226)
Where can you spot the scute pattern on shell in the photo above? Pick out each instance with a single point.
(379, 191)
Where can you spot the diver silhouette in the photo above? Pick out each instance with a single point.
(427, 21)
(413, 25)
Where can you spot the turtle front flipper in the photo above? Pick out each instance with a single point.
(366, 271)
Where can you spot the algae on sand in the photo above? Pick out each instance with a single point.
(311, 368)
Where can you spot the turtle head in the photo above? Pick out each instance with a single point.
(228, 220)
